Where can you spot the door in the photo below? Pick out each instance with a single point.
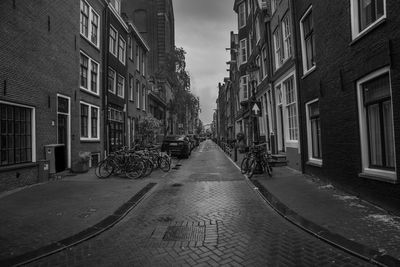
(63, 132)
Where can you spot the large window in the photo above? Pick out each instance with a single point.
(243, 51)
(92, 32)
(130, 48)
(264, 62)
(84, 62)
(121, 86)
(90, 122)
(113, 41)
(137, 94)
(137, 58)
(131, 88)
(291, 108)
(111, 80)
(143, 97)
(365, 14)
(307, 41)
(376, 124)
(16, 130)
(257, 26)
(314, 132)
(287, 38)
(242, 15)
(121, 50)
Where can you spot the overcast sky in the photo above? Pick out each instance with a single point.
(202, 28)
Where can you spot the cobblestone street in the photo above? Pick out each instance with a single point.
(205, 213)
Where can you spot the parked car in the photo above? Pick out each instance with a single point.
(177, 145)
(194, 139)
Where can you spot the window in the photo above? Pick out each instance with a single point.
(143, 63)
(244, 88)
(89, 122)
(258, 35)
(95, 28)
(243, 51)
(278, 52)
(89, 14)
(365, 14)
(94, 159)
(314, 132)
(137, 58)
(291, 108)
(258, 64)
(84, 71)
(120, 86)
(111, 80)
(113, 41)
(115, 128)
(144, 97)
(131, 88)
(130, 48)
(264, 61)
(84, 19)
(117, 6)
(307, 41)
(121, 50)
(376, 124)
(242, 15)
(138, 94)
(89, 83)
(287, 42)
(16, 131)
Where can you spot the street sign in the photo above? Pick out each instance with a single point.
(256, 109)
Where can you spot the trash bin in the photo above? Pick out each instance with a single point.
(43, 170)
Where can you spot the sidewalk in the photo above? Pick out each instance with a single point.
(52, 215)
(341, 219)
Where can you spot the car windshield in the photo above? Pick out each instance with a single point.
(174, 138)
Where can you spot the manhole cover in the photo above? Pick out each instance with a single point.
(185, 233)
(176, 185)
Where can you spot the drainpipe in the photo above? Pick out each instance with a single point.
(105, 58)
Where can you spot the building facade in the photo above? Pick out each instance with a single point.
(350, 93)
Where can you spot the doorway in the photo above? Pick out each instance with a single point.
(64, 128)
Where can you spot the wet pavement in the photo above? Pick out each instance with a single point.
(203, 213)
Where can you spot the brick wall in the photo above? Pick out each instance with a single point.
(340, 62)
(38, 59)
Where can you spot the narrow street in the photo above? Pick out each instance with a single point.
(203, 213)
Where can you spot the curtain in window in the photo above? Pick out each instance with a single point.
(388, 128)
(375, 141)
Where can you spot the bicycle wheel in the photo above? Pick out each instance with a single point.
(104, 169)
(268, 168)
(136, 170)
(164, 165)
(244, 167)
(252, 167)
(149, 167)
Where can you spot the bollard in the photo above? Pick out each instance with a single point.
(235, 158)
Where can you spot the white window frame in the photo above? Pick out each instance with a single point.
(131, 88)
(33, 127)
(385, 174)
(241, 49)
(138, 94)
(287, 38)
(130, 47)
(115, 80)
(303, 45)
(273, 6)
(277, 48)
(143, 97)
(244, 88)
(123, 86)
(312, 160)
(90, 28)
(258, 32)
(137, 55)
(121, 56)
(355, 20)
(264, 62)
(89, 76)
(242, 15)
(143, 63)
(89, 138)
(113, 46)
(117, 6)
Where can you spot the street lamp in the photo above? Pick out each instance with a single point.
(252, 71)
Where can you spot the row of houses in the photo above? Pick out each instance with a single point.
(318, 83)
(77, 76)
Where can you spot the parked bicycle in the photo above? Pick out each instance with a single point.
(256, 158)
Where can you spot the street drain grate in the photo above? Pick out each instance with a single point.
(185, 233)
(176, 185)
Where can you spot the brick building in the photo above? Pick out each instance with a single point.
(154, 20)
(39, 66)
(350, 93)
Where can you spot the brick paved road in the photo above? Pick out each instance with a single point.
(204, 214)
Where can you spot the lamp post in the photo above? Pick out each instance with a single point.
(252, 71)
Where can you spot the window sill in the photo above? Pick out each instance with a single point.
(89, 92)
(314, 162)
(18, 166)
(90, 42)
(308, 72)
(90, 140)
(115, 55)
(380, 175)
(367, 30)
